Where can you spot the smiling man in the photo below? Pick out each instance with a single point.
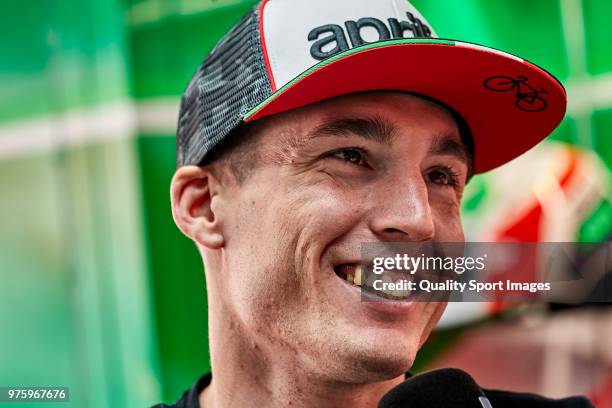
(314, 127)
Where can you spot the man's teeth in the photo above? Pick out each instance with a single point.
(354, 276)
(358, 273)
(396, 293)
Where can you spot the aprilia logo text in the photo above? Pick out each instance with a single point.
(338, 37)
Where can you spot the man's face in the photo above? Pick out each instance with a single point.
(371, 167)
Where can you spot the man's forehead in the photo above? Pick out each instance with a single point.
(377, 116)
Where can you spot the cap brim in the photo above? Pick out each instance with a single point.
(509, 104)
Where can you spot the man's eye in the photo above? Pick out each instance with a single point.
(352, 156)
(444, 177)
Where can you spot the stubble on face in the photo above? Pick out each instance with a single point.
(297, 212)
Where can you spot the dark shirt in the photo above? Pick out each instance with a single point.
(498, 399)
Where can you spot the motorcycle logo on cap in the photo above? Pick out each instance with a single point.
(337, 35)
(528, 98)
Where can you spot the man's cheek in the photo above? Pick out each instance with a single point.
(447, 221)
(322, 204)
(450, 231)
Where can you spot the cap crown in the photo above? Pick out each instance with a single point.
(271, 45)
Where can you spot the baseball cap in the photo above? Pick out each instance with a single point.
(285, 54)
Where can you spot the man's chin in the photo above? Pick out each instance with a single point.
(377, 367)
(375, 360)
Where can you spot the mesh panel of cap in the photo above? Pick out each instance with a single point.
(231, 81)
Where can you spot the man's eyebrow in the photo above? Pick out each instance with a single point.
(370, 128)
(446, 145)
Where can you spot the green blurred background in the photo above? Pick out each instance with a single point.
(99, 291)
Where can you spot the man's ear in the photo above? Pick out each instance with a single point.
(192, 192)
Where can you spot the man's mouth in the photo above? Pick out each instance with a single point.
(353, 273)
(350, 272)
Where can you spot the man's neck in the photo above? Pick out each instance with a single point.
(246, 374)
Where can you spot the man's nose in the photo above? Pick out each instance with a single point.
(403, 213)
